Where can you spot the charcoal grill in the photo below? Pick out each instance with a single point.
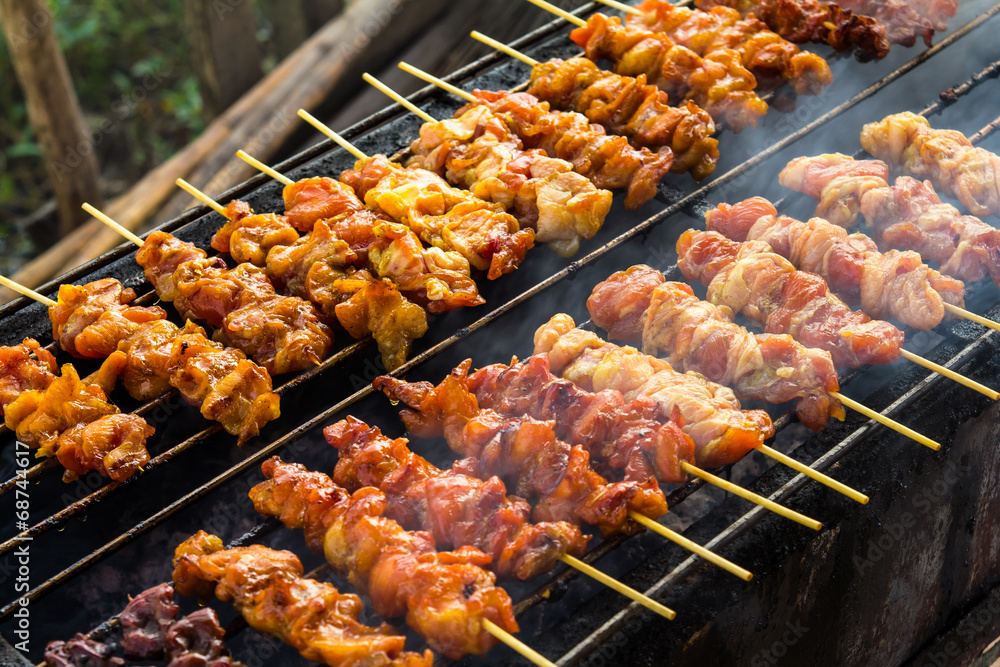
(909, 578)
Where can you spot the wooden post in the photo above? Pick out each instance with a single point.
(224, 50)
(53, 108)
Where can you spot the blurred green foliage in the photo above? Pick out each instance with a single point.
(130, 63)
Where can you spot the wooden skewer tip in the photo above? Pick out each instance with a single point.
(516, 644)
(112, 224)
(950, 374)
(201, 196)
(322, 127)
(825, 480)
(978, 319)
(260, 166)
(399, 99)
(752, 497)
(26, 291)
(503, 48)
(622, 7)
(886, 421)
(618, 586)
(430, 78)
(693, 547)
(561, 13)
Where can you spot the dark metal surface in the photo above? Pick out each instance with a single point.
(105, 551)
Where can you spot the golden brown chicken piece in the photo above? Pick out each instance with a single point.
(476, 150)
(445, 596)
(525, 453)
(908, 143)
(89, 320)
(72, 420)
(282, 334)
(442, 216)
(267, 588)
(632, 108)
(23, 367)
(457, 509)
(802, 21)
(773, 60)
(719, 82)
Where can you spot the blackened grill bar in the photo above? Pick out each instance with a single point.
(728, 536)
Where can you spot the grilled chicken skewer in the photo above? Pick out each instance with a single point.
(623, 105)
(333, 274)
(595, 365)
(700, 336)
(458, 509)
(607, 161)
(802, 21)
(477, 151)
(267, 588)
(446, 597)
(525, 450)
(719, 83)
(282, 334)
(908, 215)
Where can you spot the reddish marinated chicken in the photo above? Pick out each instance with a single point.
(455, 508)
(89, 320)
(803, 21)
(442, 216)
(893, 284)
(72, 420)
(908, 215)
(711, 415)
(771, 59)
(906, 20)
(312, 199)
(282, 334)
(632, 108)
(267, 588)
(718, 83)
(838, 182)
(477, 151)
(908, 143)
(445, 596)
(525, 453)
(765, 287)
(632, 437)
(699, 336)
(24, 367)
(609, 162)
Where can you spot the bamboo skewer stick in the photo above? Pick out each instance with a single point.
(752, 497)
(622, 7)
(503, 48)
(26, 291)
(693, 547)
(430, 78)
(814, 474)
(201, 196)
(618, 586)
(260, 166)
(886, 421)
(399, 99)
(112, 224)
(978, 319)
(516, 644)
(344, 143)
(561, 13)
(950, 374)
